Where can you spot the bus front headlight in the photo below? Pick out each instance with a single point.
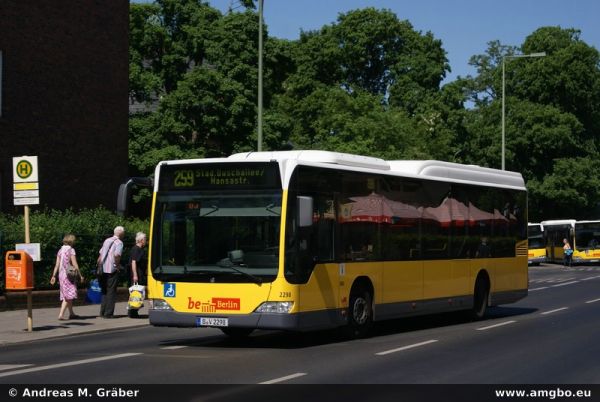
(159, 304)
(275, 307)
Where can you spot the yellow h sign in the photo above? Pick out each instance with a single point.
(25, 169)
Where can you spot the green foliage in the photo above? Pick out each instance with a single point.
(208, 115)
(568, 78)
(571, 190)
(552, 120)
(48, 228)
(206, 68)
(166, 38)
(370, 84)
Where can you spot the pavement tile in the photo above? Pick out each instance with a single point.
(13, 323)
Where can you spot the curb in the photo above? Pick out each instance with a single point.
(87, 332)
(17, 300)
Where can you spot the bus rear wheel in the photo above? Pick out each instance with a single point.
(360, 313)
(237, 333)
(480, 298)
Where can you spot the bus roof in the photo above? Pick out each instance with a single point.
(447, 171)
(431, 169)
(559, 222)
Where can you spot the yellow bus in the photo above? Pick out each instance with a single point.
(305, 240)
(584, 237)
(536, 244)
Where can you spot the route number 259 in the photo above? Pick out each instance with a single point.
(184, 178)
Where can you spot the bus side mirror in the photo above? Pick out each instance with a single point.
(123, 198)
(124, 193)
(305, 211)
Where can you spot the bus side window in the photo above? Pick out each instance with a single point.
(312, 241)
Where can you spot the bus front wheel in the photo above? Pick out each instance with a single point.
(360, 313)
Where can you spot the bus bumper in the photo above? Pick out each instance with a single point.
(536, 260)
(294, 322)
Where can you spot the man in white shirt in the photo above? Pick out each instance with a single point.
(110, 258)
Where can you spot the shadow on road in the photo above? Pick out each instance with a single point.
(261, 339)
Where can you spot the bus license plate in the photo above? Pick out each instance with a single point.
(212, 322)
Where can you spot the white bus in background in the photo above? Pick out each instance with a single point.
(584, 237)
(536, 244)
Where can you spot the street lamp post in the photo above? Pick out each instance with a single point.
(516, 56)
(260, 75)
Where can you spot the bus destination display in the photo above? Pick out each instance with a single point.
(220, 176)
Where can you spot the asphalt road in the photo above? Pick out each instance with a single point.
(550, 337)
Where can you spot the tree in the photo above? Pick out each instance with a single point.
(199, 68)
(485, 87)
(568, 78)
(374, 71)
(535, 135)
(167, 38)
(571, 190)
(357, 123)
(551, 118)
(208, 115)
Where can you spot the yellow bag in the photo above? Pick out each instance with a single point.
(137, 293)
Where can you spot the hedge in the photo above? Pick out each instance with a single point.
(48, 227)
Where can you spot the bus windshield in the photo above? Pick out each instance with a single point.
(535, 237)
(230, 237)
(587, 235)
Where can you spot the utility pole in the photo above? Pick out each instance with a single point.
(260, 74)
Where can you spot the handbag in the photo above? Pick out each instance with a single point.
(72, 274)
(137, 294)
(99, 269)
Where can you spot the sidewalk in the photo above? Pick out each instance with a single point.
(13, 324)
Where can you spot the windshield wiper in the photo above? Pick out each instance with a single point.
(174, 277)
(215, 209)
(226, 263)
(269, 208)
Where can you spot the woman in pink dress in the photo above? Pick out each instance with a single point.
(68, 290)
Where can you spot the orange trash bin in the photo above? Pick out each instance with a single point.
(18, 268)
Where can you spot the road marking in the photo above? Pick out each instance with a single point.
(559, 280)
(592, 301)
(416, 345)
(554, 311)
(174, 347)
(591, 277)
(564, 284)
(496, 325)
(281, 379)
(4, 367)
(533, 290)
(67, 364)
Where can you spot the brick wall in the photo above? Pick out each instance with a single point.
(64, 98)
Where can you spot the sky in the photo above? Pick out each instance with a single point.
(464, 26)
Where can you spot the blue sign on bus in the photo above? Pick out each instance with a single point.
(169, 290)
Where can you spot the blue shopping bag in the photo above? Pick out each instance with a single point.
(94, 293)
